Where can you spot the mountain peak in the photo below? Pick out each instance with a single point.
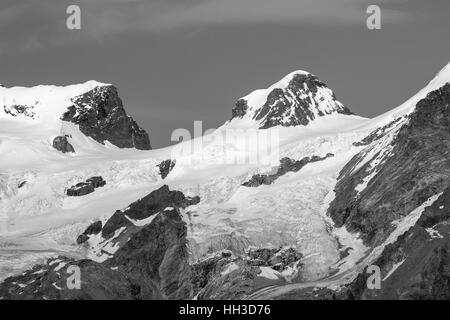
(72, 113)
(297, 99)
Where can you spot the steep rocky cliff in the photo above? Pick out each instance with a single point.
(100, 114)
(397, 172)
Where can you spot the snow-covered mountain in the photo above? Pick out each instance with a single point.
(297, 99)
(343, 193)
(85, 118)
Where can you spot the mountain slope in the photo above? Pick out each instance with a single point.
(393, 195)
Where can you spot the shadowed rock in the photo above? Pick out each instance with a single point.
(286, 165)
(418, 167)
(84, 188)
(61, 144)
(94, 228)
(165, 167)
(100, 115)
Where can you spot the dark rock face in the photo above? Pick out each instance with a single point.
(50, 282)
(276, 258)
(94, 228)
(240, 109)
(422, 255)
(294, 105)
(417, 168)
(165, 167)
(378, 134)
(205, 270)
(62, 144)
(155, 253)
(215, 279)
(100, 115)
(158, 254)
(146, 207)
(235, 285)
(84, 188)
(80, 189)
(286, 165)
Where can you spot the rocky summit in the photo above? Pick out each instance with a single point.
(297, 99)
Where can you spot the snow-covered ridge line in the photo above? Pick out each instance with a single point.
(43, 103)
(255, 96)
(409, 105)
(89, 84)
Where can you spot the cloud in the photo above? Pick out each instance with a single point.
(167, 15)
(31, 25)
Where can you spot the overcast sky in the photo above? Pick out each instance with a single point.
(176, 61)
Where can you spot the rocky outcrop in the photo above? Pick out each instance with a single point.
(157, 201)
(165, 167)
(205, 270)
(240, 109)
(54, 281)
(276, 258)
(93, 229)
(100, 115)
(286, 165)
(61, 143)
(159, 252)
(20, 111)
(234, 285)
(84, 188)
(225, 276)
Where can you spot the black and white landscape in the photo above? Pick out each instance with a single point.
(80, 186)
(332, 182)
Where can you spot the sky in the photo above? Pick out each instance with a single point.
(177, 61)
